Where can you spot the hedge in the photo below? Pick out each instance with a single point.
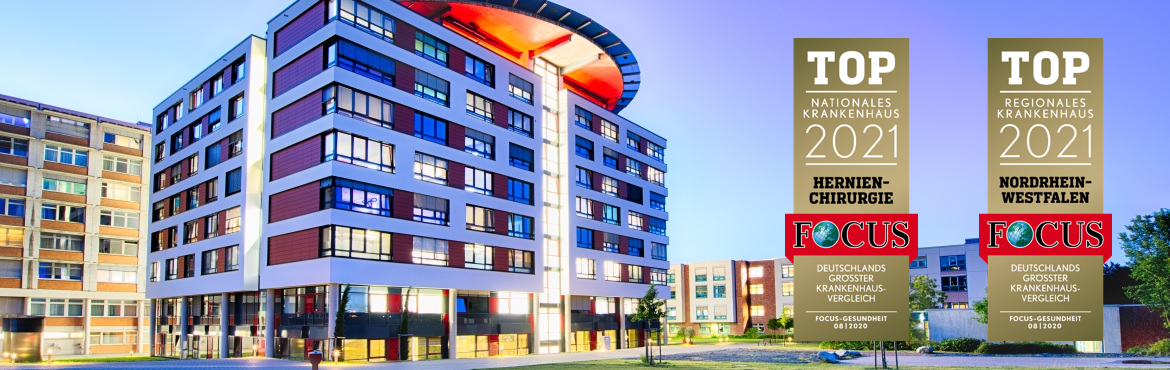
(1017, 348)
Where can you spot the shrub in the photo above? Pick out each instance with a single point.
(959, 344)
(686, 332)
(751, 333)
(1159, 348)
(1016, 348)
(854, 345)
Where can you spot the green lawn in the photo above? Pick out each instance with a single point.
(705, 365)
(109, 359)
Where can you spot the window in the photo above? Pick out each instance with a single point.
(520, 226)
(479, 70)
(954, 283)
(60, 271)
(348, 242)
(584, 178)
(609, 130)
(231, 256)
(657, 201)
(519, 122)
(657, 152)
(9, 119)
(479, 144)
(430, 168)
(109, 274)
(655, 176)
(787, 289)
(235, 144)
(123, 192)
(429, 251)
(786, 271)
(519, 88)
(481, 219)
(12, 269)
(634, 141)
(362, 61)
(196, 99)
(213, 124)
(68, 156)
(755, 272)
(520, 157)
(67, 127)
(956, 262)
(62, 242)
(670, 278)
(164, 239)
(609, 242)
(177, 142)
(584, 238)
(235, 107)
(358, 105)
(658, 251)
(918, 263)
(635, 220)
(356, 196)
(610, 214)
(613, 271)
(520, 261)
(610, 158)
(155, 272)
(361, 16)
(701, 314)
(113, 308)
(13, 176)
(584, 148)
(191, 228)
(233, 181)
(56, 307)
(193, 198)
(232, 221)
(160, 152)
(636, 247)
(212, 190)
(346, 148)
(519, 191)
(672, 313)
(122, 219)
(585, 207)
(583, 118)
(432, 88)
(430, 128)
(586, 268)
(14, 146)
(756, 289)
(172, 269)
(701, 274)
(122, 165)
(431, 210)
(757, 310)
(63, 213)
(477, 181)
(478, 256)
(430, 48)
(633, 167)
(720, 291)
(657, 226)
(657, 276)
(479, 107)
(12, 207)
(609, 186)
(634, 274)
(718, 274)
(118, 246)
(700, 291)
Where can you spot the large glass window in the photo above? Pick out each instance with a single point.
(365, 18)
(956, 262)
(610, 158)
(520, 157)
(584, 118)
(431, 210)
(613, 271)
(786, 271)
(636, 247)
(235, 107)
(656, 151)
(346, 148)
(610, 214)
(787, 289)
(234, 181)
(609, 186)
(478, 181)
(479, 70)
(19, 121)
(520, 261)
(519, 88)
(56, 307)
(430, 128)
(430, 168)
(123, 192)
(610, 242)
(113, 308)
(430, 48)
(431, 88)
(918, 263)
(62, 242)
(633, 167)
(67, 127)
(520, 226)
(701, 291)
(118, 246)
(60, 271)
(609, 130)
(584, 148)
(478, 256)
(519, 191)
(429, 251)
(585, 207)
(584, 178)
(63, 213)
(364, 62)
(342, 241)
(68, 156)
(657, 226)
(657, 201)
(658, 251)
(586, 268)
(479, 107)
(655, 176)
(110, 274)
(636, 220)
(658, 276)
(954, 283)
(232, 221)
(358, 105)
(519, 122)
(479, 144)
(584, 238)
(481, 219)
(12, 207)
(122, 219)
(122, 165)
(14, 146)
(356, 196)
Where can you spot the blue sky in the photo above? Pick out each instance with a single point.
(716, 82)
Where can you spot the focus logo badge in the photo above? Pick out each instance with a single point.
(1045, 235)
(858, 234)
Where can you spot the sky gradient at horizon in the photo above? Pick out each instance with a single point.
(717, 84)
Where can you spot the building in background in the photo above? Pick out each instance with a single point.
(469, 190)
(72, 225)
(957, 269)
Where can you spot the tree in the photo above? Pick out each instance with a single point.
(924, 294)
(650, 309)
(774, 325)
(1146, 242)
(339, 320)
(404, 326)
(981, 310)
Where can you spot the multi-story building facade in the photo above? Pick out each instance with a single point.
(72, 225)
(411, 162)
(957, 269)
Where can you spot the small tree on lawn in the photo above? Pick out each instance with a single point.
(650, 309)
(775, 325)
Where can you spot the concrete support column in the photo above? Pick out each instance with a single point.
(452, 323)
(183, 352)
(334, 294)
(224, 336)
(621, 337)
(152, 307)
(85, 329)
(270, 323)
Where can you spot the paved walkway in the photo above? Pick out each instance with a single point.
(905, 359)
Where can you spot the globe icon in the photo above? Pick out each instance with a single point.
(1019, 234)
(825, 234)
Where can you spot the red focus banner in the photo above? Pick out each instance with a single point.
(893, 234)
(1057, 234)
